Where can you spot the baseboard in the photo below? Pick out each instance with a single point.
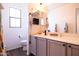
(13, 49)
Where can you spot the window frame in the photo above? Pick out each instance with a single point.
(15, 18)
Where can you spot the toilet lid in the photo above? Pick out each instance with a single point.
(23, 41)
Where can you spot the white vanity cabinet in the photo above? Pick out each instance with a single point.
(41, 46)
(33, 45)
(72, 50)
(38, 46)
(55, 48)
(50, 47)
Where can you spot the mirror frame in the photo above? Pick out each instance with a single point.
(76, 31)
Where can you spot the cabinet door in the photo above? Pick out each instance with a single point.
(56, 48)
(72, 50)
(33, 45)
(41, 47)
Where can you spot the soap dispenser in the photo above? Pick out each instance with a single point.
(66, 27)
(55, 27)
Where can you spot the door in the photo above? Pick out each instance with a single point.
(41, 47)
(33, 45)
(72, 50)
(1, 40)
(0, 20)
(56, 48)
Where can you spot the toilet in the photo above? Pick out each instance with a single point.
(24, 44)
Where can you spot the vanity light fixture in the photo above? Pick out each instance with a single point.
(40, 7)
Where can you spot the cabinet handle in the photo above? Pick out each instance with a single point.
(29, 42)
(35, 37)
(69, 46)
(63, 44)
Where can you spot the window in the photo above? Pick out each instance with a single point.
(15, 18)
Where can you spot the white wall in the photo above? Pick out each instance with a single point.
(61, 13)
(11, 39)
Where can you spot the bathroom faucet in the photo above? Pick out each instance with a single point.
(45, 32)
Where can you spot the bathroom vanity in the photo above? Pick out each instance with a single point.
(62, 45)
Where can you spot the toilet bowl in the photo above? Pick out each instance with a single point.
(24, 44)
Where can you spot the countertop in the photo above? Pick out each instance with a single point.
(68, 38)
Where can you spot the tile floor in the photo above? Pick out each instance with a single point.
(17, 52)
